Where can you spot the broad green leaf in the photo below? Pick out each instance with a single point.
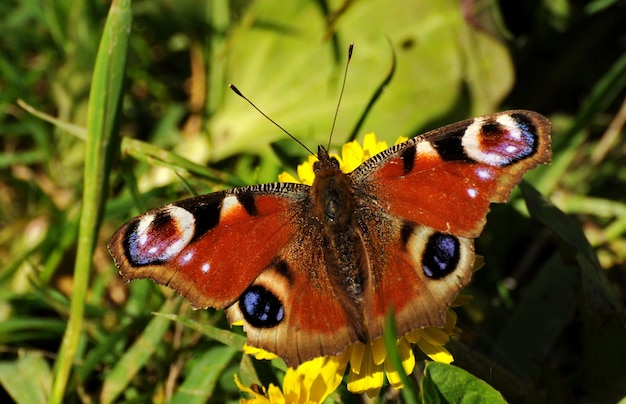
(27, 379)
(604, 336)
(455, 385)
(282, 57)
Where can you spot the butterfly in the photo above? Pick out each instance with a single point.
(310, 270)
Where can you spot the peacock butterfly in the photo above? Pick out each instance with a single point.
(312, 269)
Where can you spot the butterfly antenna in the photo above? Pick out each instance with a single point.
(236, 91)
(343, 85)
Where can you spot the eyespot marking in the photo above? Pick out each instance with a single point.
(441, 255)
(159, 237)
(261, 308)
(500, 142)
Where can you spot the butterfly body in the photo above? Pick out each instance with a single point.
(312, 269)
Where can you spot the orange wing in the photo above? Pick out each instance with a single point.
(432, 195)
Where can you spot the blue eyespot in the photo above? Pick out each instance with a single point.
(441, 255)
(261, 308)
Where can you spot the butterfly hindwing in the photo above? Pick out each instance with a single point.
(313, 319)
(417, 279)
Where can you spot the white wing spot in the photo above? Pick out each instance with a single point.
(206, 267)
(425, 148)
(187, 257)
(175, 248)
(508, 121)
(228, 204)
(142, 229)
(472, 193)
(483, 174)
(185, 223)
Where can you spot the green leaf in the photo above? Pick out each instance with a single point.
(604, 338)
(293, 71)
(203, 374)
(455, 385)
(27, 379)
(602, 313)
(599, 289)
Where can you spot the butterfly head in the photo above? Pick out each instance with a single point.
(325, 161)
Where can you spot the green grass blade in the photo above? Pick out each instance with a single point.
(157, 156)
(69, 127)
(203, 375)
(409, 392)
(226, 337)
(104, 106)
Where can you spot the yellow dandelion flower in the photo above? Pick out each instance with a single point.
(352, 156)
(369, 365)
(259, 395)
(312, 382)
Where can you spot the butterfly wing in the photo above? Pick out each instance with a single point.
(435, 191)
(314, 320)
(199, 246)
(244, 250)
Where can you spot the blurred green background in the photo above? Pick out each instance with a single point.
(547, 319)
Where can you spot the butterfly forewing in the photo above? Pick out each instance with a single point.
(209, 248)
(446, 178)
